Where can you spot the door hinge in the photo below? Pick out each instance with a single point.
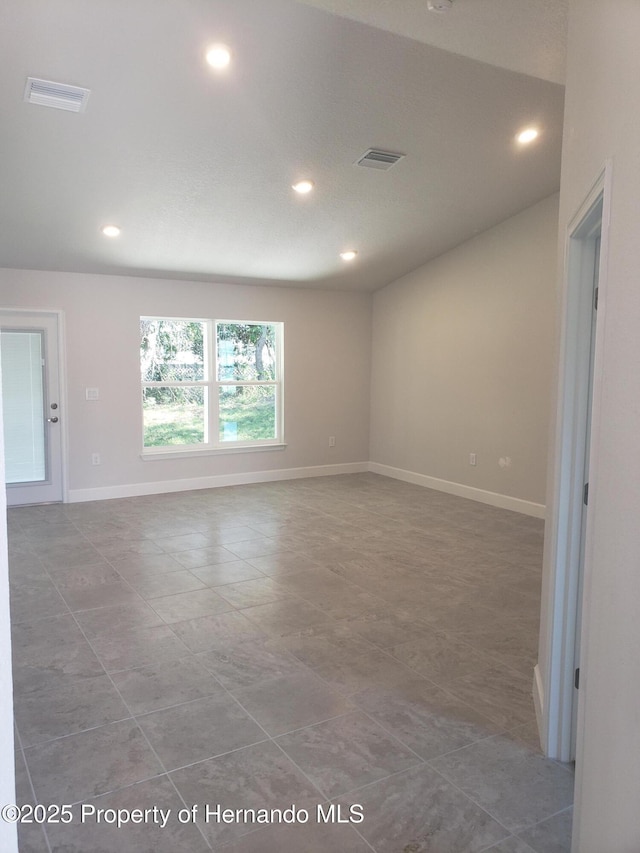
(595, 301)
(585, 496)
(576, 679)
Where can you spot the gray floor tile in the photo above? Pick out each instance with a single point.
(447, 615)
(309, 838)
(56, 645)
(254, 548)
(509, 779)
(370, 565)
(39, 600)
(146, 565)
(164, 684)
(316, 581)
(199, 730)
(161, 832)
(168, 583)
(227, 573)
(552, 835)
(256, 777)
(31, 838)
(320, 645)
(204, 557)
(440, 657)
(250, 664)
(185, 542)
(111, 621)
(211, 633)
(137, 647)
(426, 718)
(419, 810)
(285, 617)
(352, 673)
(91, 587)
(64, 554)
(501, 694)
(283, 563)
(283, 704)
(341, 604)
(346, 753)
(24, 792)
(385, 628)
(250, 593)
(120, 549)
(189, 605)
(94, 762)
(238, 533)
(54, 706)
(511, 845)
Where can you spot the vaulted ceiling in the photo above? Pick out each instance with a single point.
(196, 166)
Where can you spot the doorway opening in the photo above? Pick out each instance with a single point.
(567, 550)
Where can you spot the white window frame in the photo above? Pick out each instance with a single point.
(212, 384)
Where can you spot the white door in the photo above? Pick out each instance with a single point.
(29, 360)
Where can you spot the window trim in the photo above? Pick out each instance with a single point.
(212, 446)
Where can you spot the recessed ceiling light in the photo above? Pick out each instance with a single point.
(527, 135)
(219, 56)
(303, 187)
(111, 231)
(348, 255)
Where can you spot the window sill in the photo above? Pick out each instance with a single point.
(155, 455)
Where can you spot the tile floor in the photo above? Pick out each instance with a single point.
(349, 641)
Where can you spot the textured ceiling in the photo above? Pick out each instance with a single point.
(528, 36)
(196, 168)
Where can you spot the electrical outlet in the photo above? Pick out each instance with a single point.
(332, 441)
(95, 459)
(473, 459)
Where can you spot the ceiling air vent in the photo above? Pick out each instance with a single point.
(57, 95)
(374, 158)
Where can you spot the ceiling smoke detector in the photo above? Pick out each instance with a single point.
(439, 5)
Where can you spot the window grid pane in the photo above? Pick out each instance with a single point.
(247, 413)
(174, 416)
(172, 350)
(246, 352)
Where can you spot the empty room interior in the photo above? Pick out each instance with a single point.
(318, 326)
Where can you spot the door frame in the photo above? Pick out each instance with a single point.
(555, 699)
(62, 382)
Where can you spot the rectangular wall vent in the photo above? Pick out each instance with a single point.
(60, 96)
(374, 158)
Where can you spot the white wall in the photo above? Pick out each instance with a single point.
(8, 836)
(602, 122)
(462, 360)
(327, 352)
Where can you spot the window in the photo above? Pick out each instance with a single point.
(210, 385)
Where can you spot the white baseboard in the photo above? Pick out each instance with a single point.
(132, 490)
(462, 491)
(538, 704)
(215, 481)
